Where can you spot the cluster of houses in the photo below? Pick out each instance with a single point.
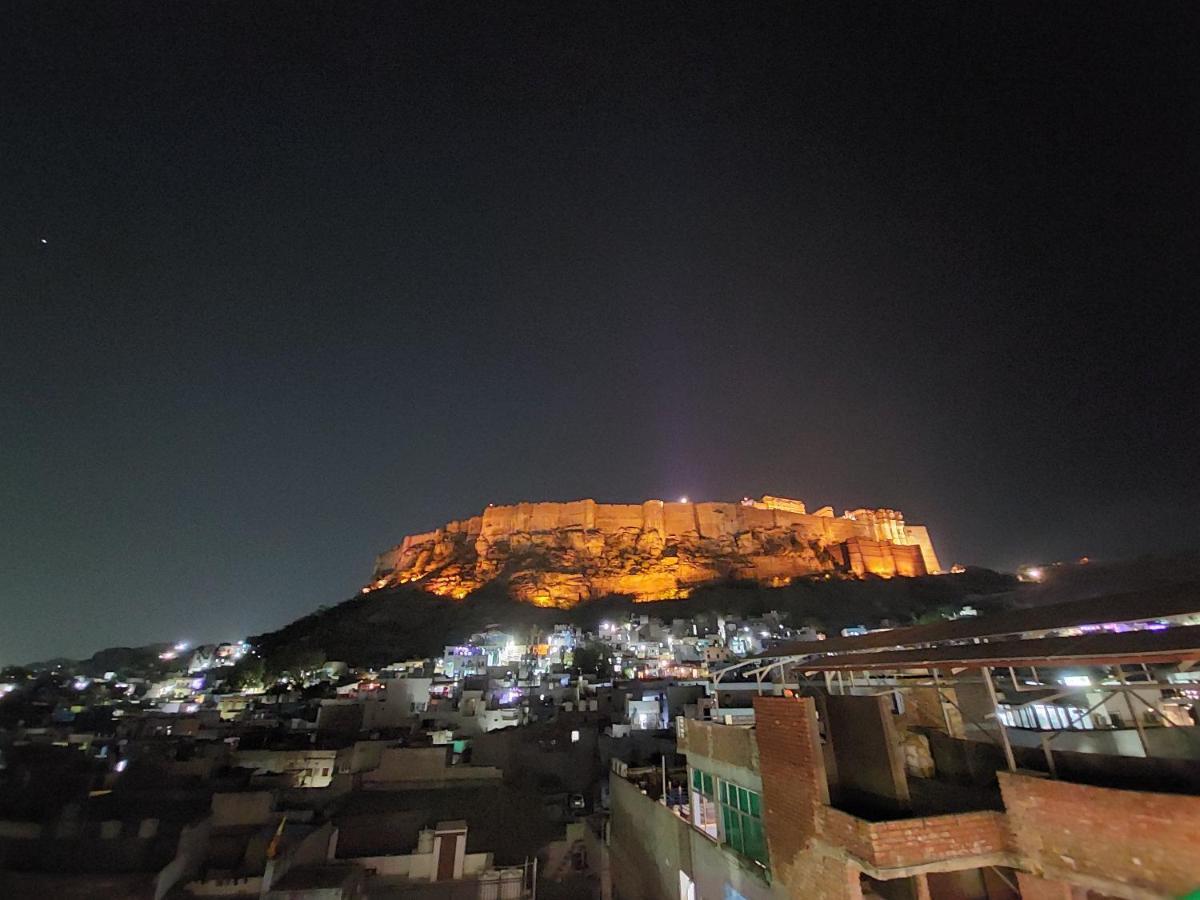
(1046, 752)
(483, 770)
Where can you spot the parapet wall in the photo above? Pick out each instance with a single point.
(671, 520)
(1128, 843)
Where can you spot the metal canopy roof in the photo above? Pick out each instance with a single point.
(1132, 606)
(1170, 645)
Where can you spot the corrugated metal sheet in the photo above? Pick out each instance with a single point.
(1171, 645)
(1134, 606)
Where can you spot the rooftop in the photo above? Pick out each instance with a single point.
(1126, 607)
(1105, 648)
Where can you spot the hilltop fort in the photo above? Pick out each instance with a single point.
(560, 554)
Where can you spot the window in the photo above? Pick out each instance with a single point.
(1046, 717)
(741, 822)
(729, 814)
(704, 807)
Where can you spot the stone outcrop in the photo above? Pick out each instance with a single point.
(559, 554)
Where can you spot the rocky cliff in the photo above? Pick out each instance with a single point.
(559, 554)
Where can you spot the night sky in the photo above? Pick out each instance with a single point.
(281, 283)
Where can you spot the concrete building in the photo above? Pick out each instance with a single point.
(897, 766)
(306, 768)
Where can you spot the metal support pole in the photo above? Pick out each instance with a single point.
(942, 704)
(1071, 722)
(1045, 739)
(1167, 723)
(1137, 723)
(1008, 750)
(967, 718)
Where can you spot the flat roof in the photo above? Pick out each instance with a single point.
(1129, 606)
(1105, 648)
(317, 877)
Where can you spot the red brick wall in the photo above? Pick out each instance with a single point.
(1081, 834)
(794, 795)
(793, 772)
(848, 832)
(816, 876)
(808, 839)
(910, 842)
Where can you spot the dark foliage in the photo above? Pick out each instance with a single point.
(389, 625)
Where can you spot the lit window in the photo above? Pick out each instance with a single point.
(704, 808)
(574, 737)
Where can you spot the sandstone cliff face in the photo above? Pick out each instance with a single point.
(559, 554)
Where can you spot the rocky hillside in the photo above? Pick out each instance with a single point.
(559, 554)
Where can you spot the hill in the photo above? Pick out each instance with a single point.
(404, 622)
(563, 554)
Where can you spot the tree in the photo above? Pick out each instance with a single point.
(296, 662)
(592, 659)
(248, 672)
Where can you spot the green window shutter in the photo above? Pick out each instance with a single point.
(756, 842)
(734, 832)
(708, 785)
(697, 779)
(755, 805)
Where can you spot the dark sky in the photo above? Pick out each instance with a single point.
(281, 283)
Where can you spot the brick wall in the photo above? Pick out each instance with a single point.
(910, 842)
(1092, 835)
(732, 744)
(819, 875)
(793, 772)
(852, 834)
(795, 794)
